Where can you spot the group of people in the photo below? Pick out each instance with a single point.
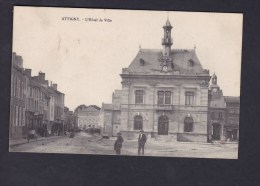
(141, 142)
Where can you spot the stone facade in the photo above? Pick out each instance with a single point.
(87, 116)
(106, 123)
(165, 93)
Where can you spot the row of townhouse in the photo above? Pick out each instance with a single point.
(34, 104)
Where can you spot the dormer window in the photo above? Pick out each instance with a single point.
(191, 63)
(142, 62)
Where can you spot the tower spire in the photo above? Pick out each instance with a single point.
(167, 40)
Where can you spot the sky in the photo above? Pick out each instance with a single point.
(86, 57)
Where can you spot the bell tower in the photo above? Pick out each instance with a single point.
(214, 84)
(167, 40)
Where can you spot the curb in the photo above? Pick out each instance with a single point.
(39, 139)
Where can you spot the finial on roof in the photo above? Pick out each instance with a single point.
(194, 47)
(214, 79)
(140, 46)
(168, 23)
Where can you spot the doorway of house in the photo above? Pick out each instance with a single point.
(216, 131)
(163, 125)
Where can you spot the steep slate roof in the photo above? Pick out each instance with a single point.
(80, 107)
(87, 108)
(94, 106)
(151, 61)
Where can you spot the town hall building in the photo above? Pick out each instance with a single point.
(164, 92)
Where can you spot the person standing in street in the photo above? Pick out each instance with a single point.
(141, 142)
(118, 144)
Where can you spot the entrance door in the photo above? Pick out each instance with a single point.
(163, 125)
(216, 131)
(232, 134)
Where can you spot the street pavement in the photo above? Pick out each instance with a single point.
(84, 143)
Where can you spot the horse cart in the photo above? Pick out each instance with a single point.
(31, 135)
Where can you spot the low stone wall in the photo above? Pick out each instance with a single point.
(184, 137)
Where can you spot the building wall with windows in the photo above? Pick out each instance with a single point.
(177, 108)
(88, 116)
(32, 104)
(165, 93)
(232, 118)
(18, 100)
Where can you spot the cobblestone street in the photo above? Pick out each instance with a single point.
(84, 143)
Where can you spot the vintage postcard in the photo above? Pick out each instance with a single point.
(125, 82)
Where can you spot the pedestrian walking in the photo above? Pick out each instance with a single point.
(118, 144)
(141, 142)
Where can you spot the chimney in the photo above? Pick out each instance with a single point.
(17, 60)
(28, 72)
(41, 76)
(54, 86)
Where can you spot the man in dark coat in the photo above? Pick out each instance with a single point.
(118, 144)
(141, 142)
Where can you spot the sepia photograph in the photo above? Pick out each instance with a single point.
(125, 82)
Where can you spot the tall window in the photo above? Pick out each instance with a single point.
(16, 115)
(139, 96)
(163, 125)
(160, 97)
(138, 123)
(220, 115)
(189, 98)
(188, 124)
(164, 97)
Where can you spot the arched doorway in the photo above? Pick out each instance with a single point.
(188, 124)
(163, 125)
(216, 129)
(138, 122)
